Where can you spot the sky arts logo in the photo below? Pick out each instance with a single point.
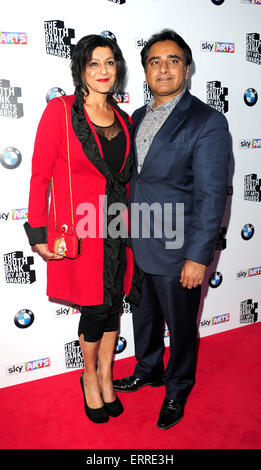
(214, 320)
(28, 366)
(250, 97)
(20, 214)
(122, 97)
(252, 2)
(140, 42)
(54, 93)
(217, 46)
(65, 311)
(250, 272)
(13, 38)
(245, 144)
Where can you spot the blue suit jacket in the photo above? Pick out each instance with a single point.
(187, 163)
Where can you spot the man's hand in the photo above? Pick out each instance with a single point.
(43, 250)
(192, 274)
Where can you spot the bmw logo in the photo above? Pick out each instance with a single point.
(24, 318)
(250, 97)
(120, 345)
(109, 34)
(54, 93)
(247, 232)
(215, 280)
(10, 158)
(217, 2)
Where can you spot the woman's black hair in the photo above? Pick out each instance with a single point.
(167, 35)
(82, 54)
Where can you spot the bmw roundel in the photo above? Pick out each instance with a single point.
(247, 232)
(54, 92)
(217, 2)
(108, 34)
(120, 345)
(10, 158)
(24, 318)
(215, 279)
(250, 97)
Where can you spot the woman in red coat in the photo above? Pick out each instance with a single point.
(96, 133)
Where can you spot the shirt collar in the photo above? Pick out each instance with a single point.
(168, 106)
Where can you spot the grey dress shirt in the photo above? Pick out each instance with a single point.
(152, 122)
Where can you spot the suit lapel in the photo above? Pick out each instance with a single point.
(168, 129)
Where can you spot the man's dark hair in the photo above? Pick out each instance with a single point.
(82, 54)
(167, 35)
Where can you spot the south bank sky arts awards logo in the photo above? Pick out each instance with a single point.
(118, 2)
(9, 105)
(58, 39)
(217, 96)
(18, 268)
(253, 48)
(248, 311)
(252, 188)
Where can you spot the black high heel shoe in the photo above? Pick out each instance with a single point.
(97, 415)
(114, 408)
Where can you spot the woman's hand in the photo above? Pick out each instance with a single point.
(43, 250)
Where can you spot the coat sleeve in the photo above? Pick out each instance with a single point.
(46, 148)
(210, 172)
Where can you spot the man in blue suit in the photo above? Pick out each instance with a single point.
(182, 149)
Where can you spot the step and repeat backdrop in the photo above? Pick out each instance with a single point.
(39, 336)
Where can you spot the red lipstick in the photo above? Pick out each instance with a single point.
(103, 80)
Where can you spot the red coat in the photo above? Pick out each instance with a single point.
(81, 280)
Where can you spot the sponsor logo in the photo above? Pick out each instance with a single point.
(217, 46)
(108, 34)
(54, 93)
(65, 311)
(9, 106)
(10, 158)
(253, 48)
(140, 42)
(20, 214)
(252, 2)
(245, 144)
(250, 97)
(4, 215)
(28, 366)
(13, 38)
(73, 355)
(126, 308)
(119, 2)
(120, 346)
(252, 188)
(248, 313)
(216, 96)
(122, 97)
(18, 268)
(215, 279)
(58, 39)
(146, 93)
(250, 272)
(215, 320)
(24, 318)
(217, 2)
(166, 333)
(247, 232)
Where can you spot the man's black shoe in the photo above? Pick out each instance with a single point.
(171, 413)
(132, 383)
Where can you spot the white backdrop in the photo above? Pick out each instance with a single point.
(37, 335)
